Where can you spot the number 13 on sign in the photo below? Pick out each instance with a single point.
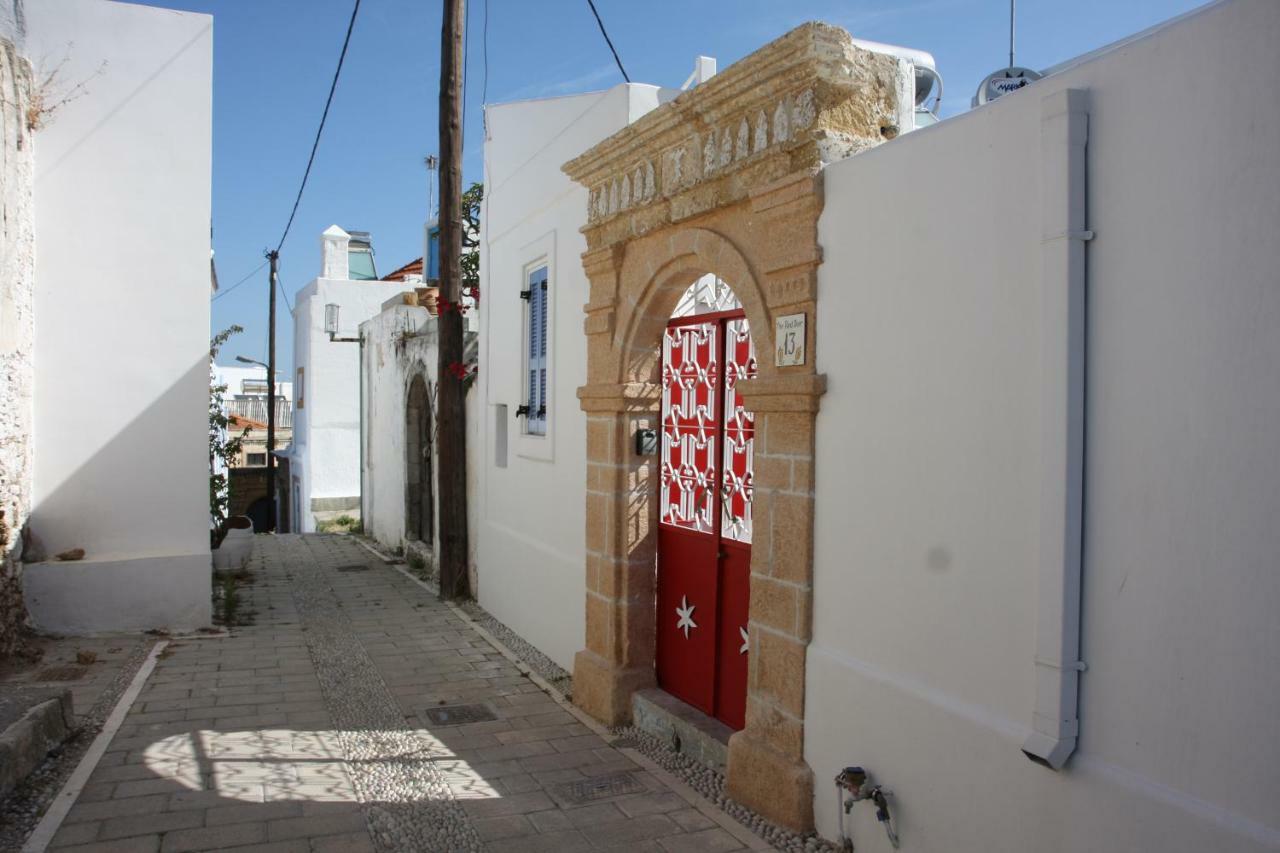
(788, 333)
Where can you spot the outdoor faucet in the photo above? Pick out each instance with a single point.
(859, 786)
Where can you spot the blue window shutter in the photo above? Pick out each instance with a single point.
(536, 354)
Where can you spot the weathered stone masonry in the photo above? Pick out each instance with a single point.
(17, 334)
(725, 179)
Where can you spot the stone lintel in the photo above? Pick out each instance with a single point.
(786, 392)
(798, 186)
(620, 397)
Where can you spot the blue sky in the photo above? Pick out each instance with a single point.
(274, 59)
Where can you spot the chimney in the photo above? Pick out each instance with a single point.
(334, 263)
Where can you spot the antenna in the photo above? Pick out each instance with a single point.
(1013, 11)
(1009, 79)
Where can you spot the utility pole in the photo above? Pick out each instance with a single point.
(272, 256)
(451, 436)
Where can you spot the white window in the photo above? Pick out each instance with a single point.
(535, 390)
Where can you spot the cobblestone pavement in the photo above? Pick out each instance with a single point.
(333, 723)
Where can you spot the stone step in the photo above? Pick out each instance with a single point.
(33, 722)
(684, 728)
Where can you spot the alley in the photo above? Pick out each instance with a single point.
(356, 712)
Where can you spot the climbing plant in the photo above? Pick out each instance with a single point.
(223, 446)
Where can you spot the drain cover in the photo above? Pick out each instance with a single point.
(61, 673)
(457, 715)
(354, 567)
(586, 791)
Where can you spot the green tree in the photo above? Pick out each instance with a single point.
(470, 260)
(223, 446)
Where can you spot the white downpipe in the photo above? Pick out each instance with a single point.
(1064, 128)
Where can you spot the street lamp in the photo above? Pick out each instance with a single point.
(271, 439)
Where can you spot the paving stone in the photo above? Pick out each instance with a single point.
(124, 827)
(691, 820)
(75, 833)
(506, 826)
(143, 844)
(310, 827)
(552, 842)
(355, 842)
(214, 838)
(707, 841)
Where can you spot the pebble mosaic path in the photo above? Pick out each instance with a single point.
(318, 728)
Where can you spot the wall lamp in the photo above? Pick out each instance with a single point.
(331, 324)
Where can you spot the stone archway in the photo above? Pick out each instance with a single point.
(724, 180)
(419, 508)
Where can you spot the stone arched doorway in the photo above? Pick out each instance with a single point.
(419, 507)
(726, 181)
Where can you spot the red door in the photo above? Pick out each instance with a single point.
(704, 531)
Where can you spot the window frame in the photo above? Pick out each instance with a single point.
(522, 442)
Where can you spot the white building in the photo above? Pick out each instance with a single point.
(120, 467)
(944, 327)
(324, 460)
(528, 503)
(248, 381)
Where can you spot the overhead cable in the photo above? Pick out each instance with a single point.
(608, 41)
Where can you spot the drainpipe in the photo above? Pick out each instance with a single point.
(1063, 136)
(360, 338)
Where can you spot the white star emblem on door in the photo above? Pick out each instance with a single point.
(685, 612)
(745, 644)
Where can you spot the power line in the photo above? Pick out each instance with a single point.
(484, 88)
(223, 293)
(608, 41)
(285, 295)
(328, 101)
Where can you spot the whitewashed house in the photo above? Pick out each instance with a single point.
(116, 469)
(527, 503)
(324, 459)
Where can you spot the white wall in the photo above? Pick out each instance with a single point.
(529, 516)
(122, 187)
(927, 508)
(326, 426)
(389, 368)
(234, 378)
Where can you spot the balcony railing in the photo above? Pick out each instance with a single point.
(256, 410)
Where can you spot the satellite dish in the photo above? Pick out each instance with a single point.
(1004, 81)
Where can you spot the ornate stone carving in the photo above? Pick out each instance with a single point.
(781, 123)
(709, 153)
(784, 101)
(803, 111)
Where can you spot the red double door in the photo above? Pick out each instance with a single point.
(704, 531)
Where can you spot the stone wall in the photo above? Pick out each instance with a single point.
(17, 333)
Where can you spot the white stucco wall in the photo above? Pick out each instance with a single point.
(326, 426)
(400, 343)
(529, 515)
(17, 325)
(122, 187)
(927, 503)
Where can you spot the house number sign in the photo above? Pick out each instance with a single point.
(788, 332)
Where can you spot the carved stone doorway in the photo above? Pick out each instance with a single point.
(725, 181)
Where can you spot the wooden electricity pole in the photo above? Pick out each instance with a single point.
(273, 257)
(451, 436)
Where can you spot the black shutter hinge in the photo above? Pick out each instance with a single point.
(522, 411)
(526, 295)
